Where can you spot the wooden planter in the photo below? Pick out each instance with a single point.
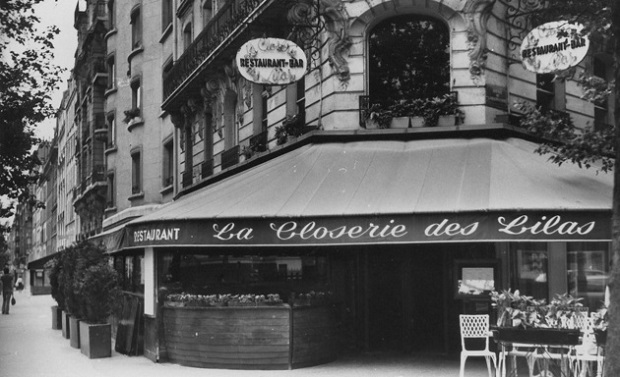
(56, 318)
(537, 336)
(66, 329)
(601, 337)
(245, 337)
(95, 340)
(417, 122)
(74, 332)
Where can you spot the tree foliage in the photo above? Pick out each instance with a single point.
(566, 142)
(27, 79)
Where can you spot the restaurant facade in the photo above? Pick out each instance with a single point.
(301, 230)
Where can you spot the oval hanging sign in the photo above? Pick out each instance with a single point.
(271, 61)
(554, 46)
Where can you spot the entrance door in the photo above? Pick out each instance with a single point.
(385, 300)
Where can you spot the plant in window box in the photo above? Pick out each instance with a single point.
(247, 152)
(442, 111)
(131, 114)
(293, 125)
(311, 298)
(378, 116)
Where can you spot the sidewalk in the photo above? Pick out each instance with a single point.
(29, 347)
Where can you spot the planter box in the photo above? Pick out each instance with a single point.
(417, 122)
(537, 336)
(66, 329)
(400, 122)
(56, 318)
(74, 332)
(446, 120)
(250, 337)
(95, 340)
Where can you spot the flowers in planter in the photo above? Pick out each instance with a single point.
(131, 114)
(516, 310)
(310, 298)
(428, 108)
(197, 300)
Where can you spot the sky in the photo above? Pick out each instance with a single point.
(59, 13)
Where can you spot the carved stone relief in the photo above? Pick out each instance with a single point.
(476, 14)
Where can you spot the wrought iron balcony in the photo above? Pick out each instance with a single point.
(230, 157)
(226, 25)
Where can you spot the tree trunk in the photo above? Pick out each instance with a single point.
(612, 349)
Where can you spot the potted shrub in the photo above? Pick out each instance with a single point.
(101, 293)
(377, 116)
(66, 281)
(55, 270)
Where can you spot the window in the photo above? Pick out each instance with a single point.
(588, 272)
(408, 58)
(601, 107)
(165, 72)
(206, 13)
(111, 191)
(166, 14)
(136, 173)
(136, 95)
(530, 261)
(301, 100)
(545, 91)
(111, 18)
(187, 36)
(230, 116)
(111, 130)
(168, 161)
(136, 29)
(264, 120)
(111, 72)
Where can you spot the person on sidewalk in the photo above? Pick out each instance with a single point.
(7, 290)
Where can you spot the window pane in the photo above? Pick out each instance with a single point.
(588, 272)
(530, 275)
(409, 58)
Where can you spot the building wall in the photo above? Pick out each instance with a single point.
(147, 134)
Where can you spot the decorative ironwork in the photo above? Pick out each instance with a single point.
(229, 17)
(230, 157)
(519, 21)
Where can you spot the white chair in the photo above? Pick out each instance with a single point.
(588, 352)
(476, 327)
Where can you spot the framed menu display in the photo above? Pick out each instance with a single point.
(475, 278)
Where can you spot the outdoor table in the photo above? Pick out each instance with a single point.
(551, 356)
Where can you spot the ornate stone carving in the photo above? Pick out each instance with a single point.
(476, 14)
(337, 24)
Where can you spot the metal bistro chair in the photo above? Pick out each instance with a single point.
(588, 352)
(476, 327)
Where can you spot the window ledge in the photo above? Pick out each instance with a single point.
(112, 149)
(135, 122)
(109, 91)
(134, 52)
(164, 35)
(138, 195)
(166, 190)
(109, 210)
(110, 33)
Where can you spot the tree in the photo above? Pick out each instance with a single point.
(589, 145)
(27, 77)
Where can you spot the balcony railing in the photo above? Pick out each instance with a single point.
(220, 28)
(230, 157)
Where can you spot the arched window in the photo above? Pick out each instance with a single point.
(408, 58)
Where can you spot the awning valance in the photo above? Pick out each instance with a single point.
(39, 264)
(368, 192)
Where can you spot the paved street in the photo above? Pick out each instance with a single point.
(30, 348)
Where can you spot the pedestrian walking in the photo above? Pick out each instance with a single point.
(7, 290)
(19, 284)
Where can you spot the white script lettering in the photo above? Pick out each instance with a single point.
(548, 226)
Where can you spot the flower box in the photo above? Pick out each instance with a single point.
(95, 340)
(446, 120)
(417, 122)
(399, 122)
(537, 335)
